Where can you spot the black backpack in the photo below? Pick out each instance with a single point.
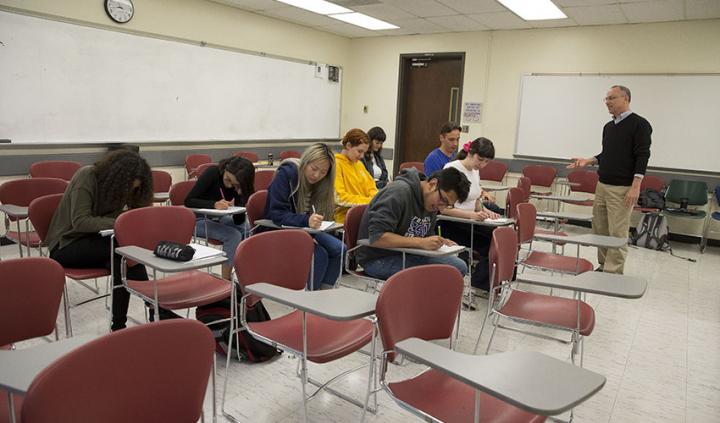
(652, 232)
(651, 199)
(250, 349)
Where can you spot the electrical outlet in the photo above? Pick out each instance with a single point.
(319, 68)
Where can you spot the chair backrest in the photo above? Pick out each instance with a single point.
(179, 191)
(147, 226)
(263, 178)
(503, 253)
(494, 171)
(247, 155)
(281, 257)
(525, 184)
(289, 154)
(540, 175)
(514, 197)
(60, 169)
(203, 167)
(352, 224)
(652, 182)
(420, 166)
(21, 192)
(694, 192)
(419, 302)
(255, 207)
(526, 215)
(156, 372)
(587, 179)
(41, 211)
(30, 292)
(161, 181)
(192, 161)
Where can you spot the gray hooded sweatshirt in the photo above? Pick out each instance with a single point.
(399, 209)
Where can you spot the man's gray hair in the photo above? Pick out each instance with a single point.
(625, 90)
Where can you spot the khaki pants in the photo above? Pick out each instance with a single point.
(611, 217)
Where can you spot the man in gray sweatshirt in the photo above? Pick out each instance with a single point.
(403, 215)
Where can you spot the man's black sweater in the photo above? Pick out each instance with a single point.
(626, 150)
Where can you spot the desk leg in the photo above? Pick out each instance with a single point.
(11, 407)
(476, 417)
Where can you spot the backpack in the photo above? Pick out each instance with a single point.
(651, 199)
(651, 232)
(250, 349)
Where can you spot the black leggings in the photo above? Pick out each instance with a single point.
(482, 236)
(94, 251)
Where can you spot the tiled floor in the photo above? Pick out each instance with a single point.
(660, 353)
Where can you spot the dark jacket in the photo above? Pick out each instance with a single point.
(281, 202)
(381, 163)
(210, 189)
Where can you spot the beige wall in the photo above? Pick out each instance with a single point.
(495, 62)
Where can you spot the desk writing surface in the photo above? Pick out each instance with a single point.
(503, 221)
(335, 304)
(326, 226)
(577, 198)
(18, 368)
(19, 212)
(601, 283)
(218, 212)
(588, 240)
(417, 251)
(585, 217)
(148, 258)
(529, 380)
(493, 186)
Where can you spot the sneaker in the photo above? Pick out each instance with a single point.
(468, 303)
(599, 269)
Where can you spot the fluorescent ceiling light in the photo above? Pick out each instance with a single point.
(534, 10)
(364, 21)
(317, 6)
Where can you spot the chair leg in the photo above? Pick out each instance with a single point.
(214, 390)
(66, 308)
(304, 366)
(492, 335)
(482, 328)
(11, 407)
(371, 376)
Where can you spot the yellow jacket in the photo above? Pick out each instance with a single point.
(353, 186)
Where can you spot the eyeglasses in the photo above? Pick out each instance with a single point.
(443, 199)
(612, 97)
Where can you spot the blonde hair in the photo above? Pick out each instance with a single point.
(322, 193)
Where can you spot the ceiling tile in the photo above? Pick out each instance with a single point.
(553, 23)
(422, 8)
(415, 26)
(252, 5)
(473, 6)
(608, 14)
(297, 15)
(500, 20)
(654, 11)
(383, 11)
(350, 31)
(457, 23)
(702, 9)
(567, 3)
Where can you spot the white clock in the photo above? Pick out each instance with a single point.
(121, 11)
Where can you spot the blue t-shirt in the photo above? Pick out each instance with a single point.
(436, 160)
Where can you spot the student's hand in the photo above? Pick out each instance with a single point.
(448, 242)
(430, 243)
(315, 220)
(631, 197)
(579, 162)
(486, 214)
(486, 196)
(223, 204)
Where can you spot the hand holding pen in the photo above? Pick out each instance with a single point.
(315, 219)
(224, 204)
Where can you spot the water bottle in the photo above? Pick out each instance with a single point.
(270, 159)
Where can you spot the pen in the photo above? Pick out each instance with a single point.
(313, 207)
(222, 194)
(439, 231)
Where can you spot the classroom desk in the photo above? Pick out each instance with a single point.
(560, 215)
(528, 380)
(217, 213)
(18, 213)
(148, 258)
(416, 251)
(18, 368)
(601, 283)
(493, 187)
(560, 197)
(567, 186)
(161, 197)
(586, 240)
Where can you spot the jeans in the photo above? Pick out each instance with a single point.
(224, 230)
(384, 267)
(328, 255)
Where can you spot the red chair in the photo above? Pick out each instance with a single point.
(179, 191)
(525, 184)
(192, 161)
(402, 312)
(263, 178)
(517, 196)
(587, 181)
(41, 212)
(531, 308)
(21, 192)
(290, 154)
(59, 169)
(162, 181)
(255, 208)
(247, 155)
(156, 372)
(494, 171)
(526, 217)
(283, 258)
(30, 289)
(420, 166)
(541, 176)
(352, 229)
(203, 167)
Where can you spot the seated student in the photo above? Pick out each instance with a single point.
(439, 157)
(228, 184)
(302, 195)
(353, 183)
(96, 196)
(373, 160)
(403, 215)
(470, 159)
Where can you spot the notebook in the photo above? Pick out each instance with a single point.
(450, 248)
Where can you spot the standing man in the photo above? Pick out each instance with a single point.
(622, 163)
(439, 157)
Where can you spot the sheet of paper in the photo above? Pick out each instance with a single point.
(107, 232)
(326, 224)
(451, 248)
(229, 210)
(499, 220)
(203, 251)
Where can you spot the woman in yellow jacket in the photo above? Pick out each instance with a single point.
(353, 183)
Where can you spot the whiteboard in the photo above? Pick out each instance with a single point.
(66, 83)
(562, 116)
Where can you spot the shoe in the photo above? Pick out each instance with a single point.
(599, 269)
(469, 304)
